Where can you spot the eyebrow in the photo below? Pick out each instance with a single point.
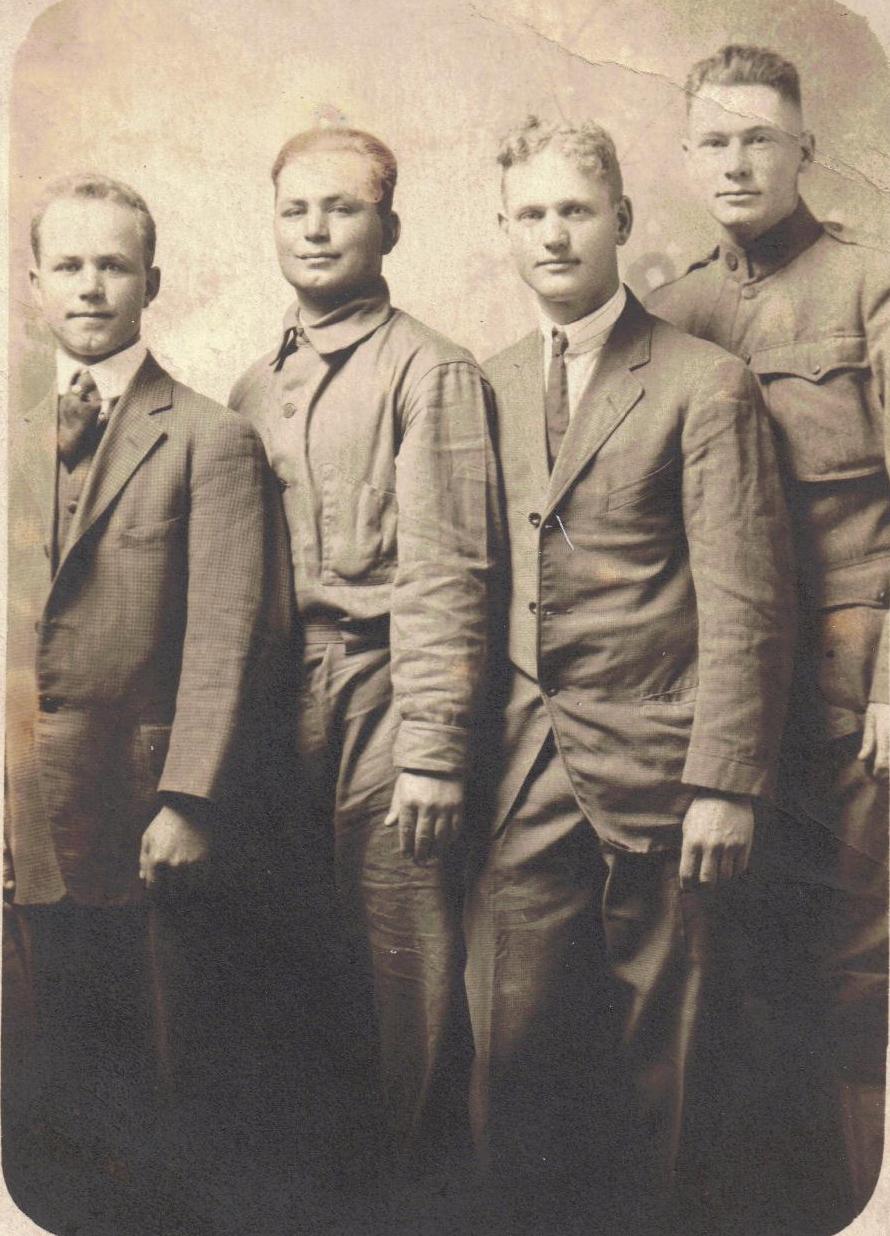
(330, 200)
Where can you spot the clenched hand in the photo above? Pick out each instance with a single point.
(428, 810)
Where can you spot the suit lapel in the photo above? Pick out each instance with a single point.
(523, 405)
(38, 459)
(130, 436)
(611, 394)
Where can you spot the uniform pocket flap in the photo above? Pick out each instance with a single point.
(813, 360)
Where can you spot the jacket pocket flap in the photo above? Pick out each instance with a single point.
(813, 360)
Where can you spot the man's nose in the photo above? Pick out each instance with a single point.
(554, 232)
(738, 161)
(317, 225)
(91, 283)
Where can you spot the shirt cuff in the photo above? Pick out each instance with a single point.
(717, 772)
(431, 748)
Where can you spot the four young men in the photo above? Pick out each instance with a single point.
(632, 530)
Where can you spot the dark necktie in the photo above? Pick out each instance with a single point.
(79, 425)
(556, 403)
(294, 338)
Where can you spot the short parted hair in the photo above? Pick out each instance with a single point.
(740, 64)
(584, 141)
(100, 188)
(379, 155)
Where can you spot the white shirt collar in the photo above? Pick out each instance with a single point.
(587, 332)
(112, 375)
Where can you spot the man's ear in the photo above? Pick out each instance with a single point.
(152, 285)
(624, 218)
(36, 294)
(392, 230)
(807, 150)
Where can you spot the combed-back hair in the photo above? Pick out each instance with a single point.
(741, 64)
(584, 141)
(100, 188)
(382, 159)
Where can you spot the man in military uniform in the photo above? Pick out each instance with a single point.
(807, 306)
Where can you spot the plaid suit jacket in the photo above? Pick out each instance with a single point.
(135, 668)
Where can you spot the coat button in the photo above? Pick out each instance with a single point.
(533, 606)
(49, 703)
(71, 507)
(732, 261)
(534, 519)
(748, 292)
(289, 409)
(551, 689)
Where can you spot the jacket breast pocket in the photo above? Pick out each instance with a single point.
(155, 533)
(819, 393)
(652, 489)
(359, 524)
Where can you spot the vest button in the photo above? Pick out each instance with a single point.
(534, 519)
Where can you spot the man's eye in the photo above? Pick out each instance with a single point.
(65, 266)
(712, 142)
(292, 212)
(529, 216)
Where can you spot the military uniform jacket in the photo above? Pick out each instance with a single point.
(130, 669)
(808, 308)
(649, 580)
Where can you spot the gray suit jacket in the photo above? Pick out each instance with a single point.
(650, 580)
(132, 670)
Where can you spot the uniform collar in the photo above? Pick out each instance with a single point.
(588, 332)
(346, 325)
(112, 375)
(774, 249)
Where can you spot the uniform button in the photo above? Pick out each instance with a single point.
(748, 292)
(882, 596)
(817, 369)
(71, 506)
(746, 357)
(50, 703)
(533, 606)
(289, 409)
(534, 519)
(732, 261)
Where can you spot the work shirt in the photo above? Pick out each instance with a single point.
(377, 430)
(587, 337)
(807, 306)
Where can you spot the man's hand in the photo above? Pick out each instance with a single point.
(172, 843)
(429, 812)
(718, 830)
(875, 750)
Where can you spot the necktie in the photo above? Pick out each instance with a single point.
(294, 337)
(556, 403)
(79, 426)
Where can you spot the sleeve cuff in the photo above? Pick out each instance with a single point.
(716, 772)
(431, 748)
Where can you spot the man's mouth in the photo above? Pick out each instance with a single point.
(93, 317)
(733, 193)
(549, 263)
(317, 257)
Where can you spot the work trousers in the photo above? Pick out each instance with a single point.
(586, 974)
(391, 936)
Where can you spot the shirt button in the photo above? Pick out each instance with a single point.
(732, 261)
(534, 519)
(748, 292)
(533, 606)
(289, 409)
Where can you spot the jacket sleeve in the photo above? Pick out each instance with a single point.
(447, 494)
(739, 550)
(237, 607)
(876, 313)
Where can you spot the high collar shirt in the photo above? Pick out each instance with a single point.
(377, 431)
(112, 375)
(807, 306)
(587, 337)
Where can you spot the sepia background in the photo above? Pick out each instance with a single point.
(189, 100)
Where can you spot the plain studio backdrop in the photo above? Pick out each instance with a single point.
(190, 100)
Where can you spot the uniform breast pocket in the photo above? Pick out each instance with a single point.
(653, 490)
(359, 523)
(819, 393)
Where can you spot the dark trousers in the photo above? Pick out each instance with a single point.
(388, 932)
(586, 973)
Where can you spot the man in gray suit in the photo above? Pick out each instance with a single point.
(648, 644)
(147, 594)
